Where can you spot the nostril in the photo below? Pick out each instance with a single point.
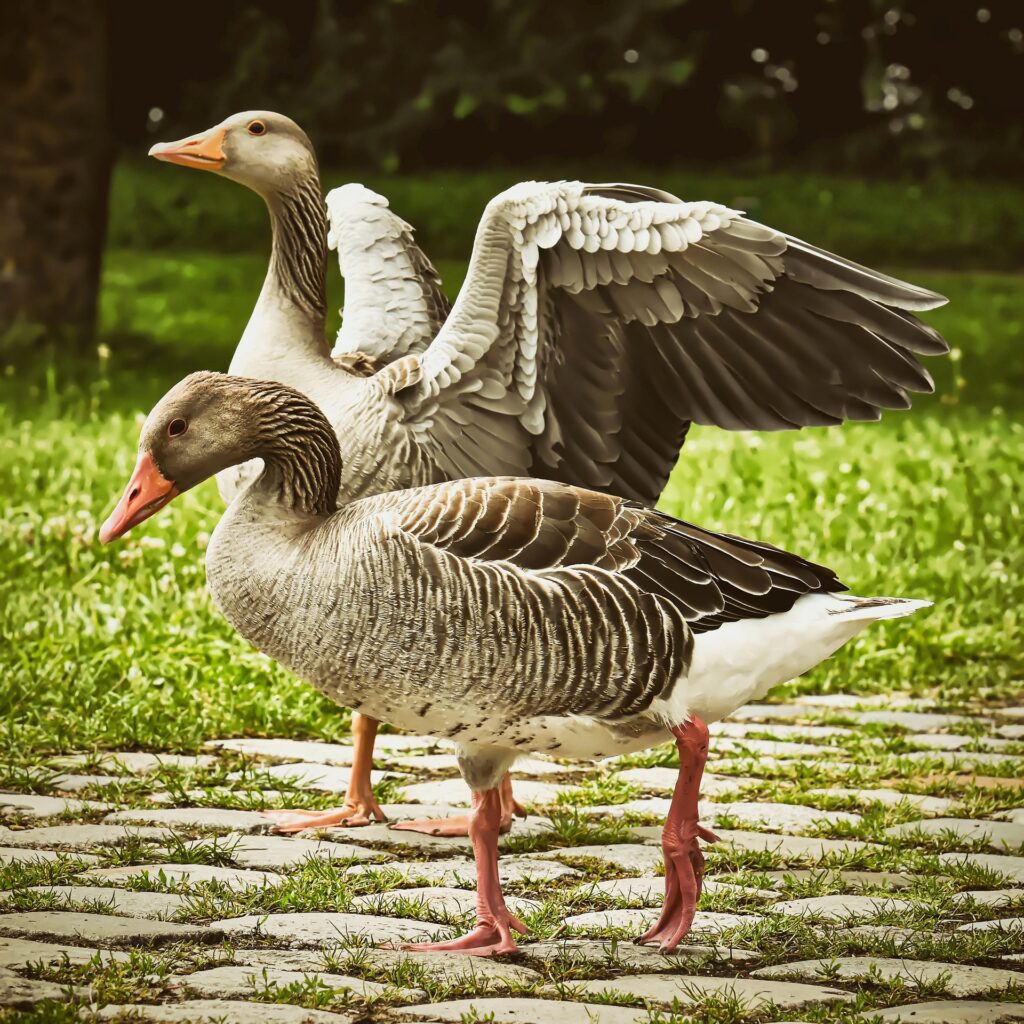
(134, 494)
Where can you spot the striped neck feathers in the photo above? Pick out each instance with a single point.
(300, 453)
(298, 259)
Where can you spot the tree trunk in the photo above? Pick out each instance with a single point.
(54, 164)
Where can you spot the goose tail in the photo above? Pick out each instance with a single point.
(873, 609)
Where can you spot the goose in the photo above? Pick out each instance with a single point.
(595, 325)
(510, 615)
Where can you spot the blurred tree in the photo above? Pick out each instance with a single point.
(55, 163)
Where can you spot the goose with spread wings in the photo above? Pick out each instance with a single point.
(596, 324)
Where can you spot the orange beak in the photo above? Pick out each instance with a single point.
(205, 150)
(147, 492)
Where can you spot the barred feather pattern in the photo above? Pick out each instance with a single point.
(298, 258)
(468, 608)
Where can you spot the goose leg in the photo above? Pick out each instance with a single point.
(494, 922)
(458, 825)
(360, 807)
(684, 862)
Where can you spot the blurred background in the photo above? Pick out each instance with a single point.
(889, 131)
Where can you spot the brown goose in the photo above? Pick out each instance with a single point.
(511, 615)
(596, 323)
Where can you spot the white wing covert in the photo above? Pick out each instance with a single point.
(394, 304)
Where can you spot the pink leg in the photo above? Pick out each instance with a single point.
(684, 862)
(494, 923)
(458, 825)
(360, 806)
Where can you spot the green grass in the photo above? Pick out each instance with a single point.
(938, 222)
(121, 645)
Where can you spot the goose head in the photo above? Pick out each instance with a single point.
(264, 151)
(192, 433)
(211, 421)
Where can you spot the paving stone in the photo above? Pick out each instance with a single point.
(771, 713)
(522, 1011)
(161, 906)
(1005, 924)
(915, 721)
(738, 730)
(24, 993)
(320, 778)
(1001, 836)
(781, 817)
(230, 982)
(664, 989)
(20, 954)
(842, 701)
(139, 762)
(1011, 867)
(1011, 732)
(14, 855)
(316, 929)
(409, 842)
(988, 897)
(891, 798)
(221, 1011)
(1015, 814)
(663, 780)
(1013, 712)
(81, 837)
(655, 806)
(959, 979)
(954, 741)
(624, 856)
(213, 819)
(460, 871)
(767, 748)
(842, 908)
(268, 853)
(627, 954)
(708, 922)
(69, 783)
(175, 874)
(456, 792)
(33, 805)
(650, 891)
(309, 751)
(101, 929)
(445, 968)
(942, 1012)
(966, 759)
(795, 847)
(850, 879)
(439, 901)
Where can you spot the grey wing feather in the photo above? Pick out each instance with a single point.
(597, 322)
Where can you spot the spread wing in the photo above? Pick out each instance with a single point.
(394, 304)
(540, 526)
(598, 321)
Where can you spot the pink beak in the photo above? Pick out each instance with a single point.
(147, 492)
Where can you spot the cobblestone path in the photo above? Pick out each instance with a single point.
(870, 868)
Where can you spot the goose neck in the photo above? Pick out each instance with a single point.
(298, 259)
(300, 452)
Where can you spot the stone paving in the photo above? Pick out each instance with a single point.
(870, 868)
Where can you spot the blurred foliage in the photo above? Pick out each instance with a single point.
(859, 84)
(936, 222)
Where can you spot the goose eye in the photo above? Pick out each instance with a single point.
(176, 427)
(257, 128)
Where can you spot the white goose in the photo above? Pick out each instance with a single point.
(511, 615)
(596, 323)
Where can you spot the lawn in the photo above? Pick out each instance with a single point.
(121, 646)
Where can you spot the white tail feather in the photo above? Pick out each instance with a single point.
(741, 661)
